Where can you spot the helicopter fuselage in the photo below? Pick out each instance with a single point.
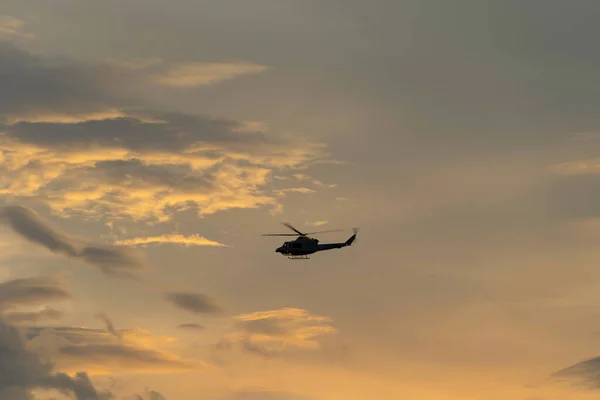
(303, 246)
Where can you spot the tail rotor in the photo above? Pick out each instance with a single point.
(352, 238)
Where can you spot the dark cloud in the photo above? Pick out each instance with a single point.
(585, 374)
(34, 84)
(109, 325)
(28, 224)
(72, 335)
(81, 386)
(22, 370)
(134, 173)
(192, 326)
(249, 346)
(178, 134)
(34, 316)
(97, 347)
(33, 290)
(197, 303)
(120, 353)
(112, 260)
(264, 395)
(267, 326)
(152, 395)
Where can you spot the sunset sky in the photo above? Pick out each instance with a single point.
(146, 145)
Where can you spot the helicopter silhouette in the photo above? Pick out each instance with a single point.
(304, 245)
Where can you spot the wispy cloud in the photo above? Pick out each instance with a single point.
(192, 326)
(317, 223)
(193, 240)
(263, 395)
(111, 260)
(64, 117)
(279, 332)
(580, 167)
(35, 290)
(103, 352)
(20, 317)
(193, 74)
(187, 74)
(584, 374)
(12, 28)
(297, 190)
(109, 324)
(151, 395)
(197, 303)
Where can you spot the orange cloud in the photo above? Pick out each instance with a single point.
(12, 28)
(275, 332)
(192, 74)
(121, 181)
(88, 153)
(100, 352)
(193, 240)
(581, 167)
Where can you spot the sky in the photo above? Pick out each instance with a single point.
(145, 147)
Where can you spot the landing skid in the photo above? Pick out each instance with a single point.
(303, 257)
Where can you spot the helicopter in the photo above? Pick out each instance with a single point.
(304, 245)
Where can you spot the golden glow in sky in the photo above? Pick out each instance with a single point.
(146, 147)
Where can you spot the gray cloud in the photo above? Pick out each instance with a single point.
(177, 134)
(116, 352)
(152, 395)
(85, 347)
(109, 325)
(192, 326)
(585, 374)
(197, 303)
(80, 386)
(33, 290)
(21, 371)
(267, 326)
(70, 334)
(251, 347)
(135, 172)
(28, 224)
(33, 316)
(263, 395)
(35, 84)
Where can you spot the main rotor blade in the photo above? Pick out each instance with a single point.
(294, 229)
(279, 234)
(332, 230)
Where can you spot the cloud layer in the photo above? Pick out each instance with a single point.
(71, 140)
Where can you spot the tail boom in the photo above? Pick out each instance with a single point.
(329, 246)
